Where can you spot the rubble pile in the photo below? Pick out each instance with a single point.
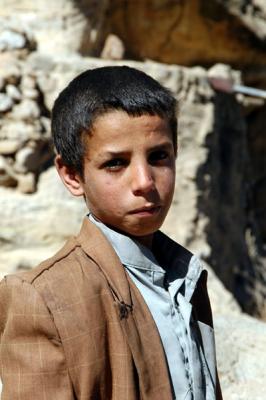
(25, 145)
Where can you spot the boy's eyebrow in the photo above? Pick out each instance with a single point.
(114, 153)
(163, 145)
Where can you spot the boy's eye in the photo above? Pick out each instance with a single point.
(159, 155)
(115, 164)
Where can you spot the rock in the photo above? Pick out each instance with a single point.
(10, 40)
(241, 341)
(26, 159)
(27, 82)
(224, 71)
(32, 94)
(46, 124)
(31, 157)
(7, 179)
(2, 83)
(6, 102)
(2, 163)
(17, 130)
(15, 36)
(39, 63)
(8, 147)
(26, 183)
(28, 87)
(113, 48)
(10, 68)
(13, 92)
(27, 110)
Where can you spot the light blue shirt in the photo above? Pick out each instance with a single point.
(169, 304)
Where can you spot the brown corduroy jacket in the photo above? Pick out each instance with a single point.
(76, 327)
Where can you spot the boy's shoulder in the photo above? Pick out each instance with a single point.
(50, 276)
(86, 260)
(79, 252)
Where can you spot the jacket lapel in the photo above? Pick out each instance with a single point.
(97, 247)
(136, 320)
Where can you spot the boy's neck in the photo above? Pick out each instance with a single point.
(145, 240)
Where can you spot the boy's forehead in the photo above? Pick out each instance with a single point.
(117, 119)
(117, 134)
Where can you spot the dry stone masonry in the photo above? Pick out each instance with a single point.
(25, 146)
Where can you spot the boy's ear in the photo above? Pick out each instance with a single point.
(70, 178)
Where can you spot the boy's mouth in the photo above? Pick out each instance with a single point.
(146, 211)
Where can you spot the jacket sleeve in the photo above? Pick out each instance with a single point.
(32, 361)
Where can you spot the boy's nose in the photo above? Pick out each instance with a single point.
(142, 180)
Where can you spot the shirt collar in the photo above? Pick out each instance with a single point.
(130, 251)
(181, 265)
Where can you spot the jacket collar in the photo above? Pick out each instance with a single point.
(130, 251)
(178, 266)
(97, 247)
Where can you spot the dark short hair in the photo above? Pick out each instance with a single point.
(97, 91)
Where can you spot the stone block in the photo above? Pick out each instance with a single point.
(6, 102)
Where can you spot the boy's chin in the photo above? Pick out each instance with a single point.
(136, 228)
(134, 232)
(142, 235)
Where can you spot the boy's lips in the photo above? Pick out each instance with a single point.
(146, 210)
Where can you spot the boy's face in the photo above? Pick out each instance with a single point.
(129, 173)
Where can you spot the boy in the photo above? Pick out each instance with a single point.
(121, 312)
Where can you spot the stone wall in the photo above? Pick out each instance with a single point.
(25, 146)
